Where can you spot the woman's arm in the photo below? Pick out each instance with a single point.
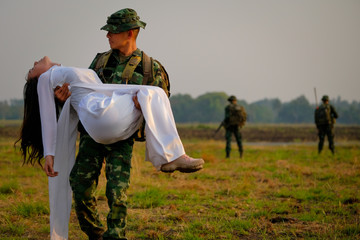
(47, 114)
(49, 166)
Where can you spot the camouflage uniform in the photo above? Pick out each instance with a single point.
(85, 173)
(232, 128)
(326, 128)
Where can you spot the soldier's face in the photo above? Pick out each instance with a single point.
(117, 40)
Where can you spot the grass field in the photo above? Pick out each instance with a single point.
(274, 192)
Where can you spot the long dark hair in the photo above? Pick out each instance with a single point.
(31, 145)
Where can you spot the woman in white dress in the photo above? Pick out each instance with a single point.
(109, 113)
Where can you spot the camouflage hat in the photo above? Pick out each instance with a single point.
(325, 98)
(122, 21)
(232, 98)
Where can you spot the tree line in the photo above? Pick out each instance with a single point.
(12, 109)
(209, 108)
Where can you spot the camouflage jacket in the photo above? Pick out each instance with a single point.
(116, 64)
(112, 72)
(235, 115)
(325, 114)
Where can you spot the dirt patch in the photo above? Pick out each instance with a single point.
(273, 133)
(252, 133)
(10, 131)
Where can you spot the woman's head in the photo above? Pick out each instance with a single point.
(39, 68)
(30, 139)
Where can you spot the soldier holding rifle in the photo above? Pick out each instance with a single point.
(235, 118)
(325, 118)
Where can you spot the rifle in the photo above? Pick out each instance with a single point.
(221, 124)
(316, 98)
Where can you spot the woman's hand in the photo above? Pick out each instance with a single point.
(62, 93)
(49, 166)
(136, 102)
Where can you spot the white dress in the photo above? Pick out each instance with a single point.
(108, 114)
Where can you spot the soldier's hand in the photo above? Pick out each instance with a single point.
(136, 102)
(62, 93)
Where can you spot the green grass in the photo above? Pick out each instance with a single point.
(274, 192)
(150, 198)
(9, 187)
(25, 209)
(10, 228)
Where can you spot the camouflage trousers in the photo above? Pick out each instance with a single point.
(230, 130)
(326, 130)
(84, 180)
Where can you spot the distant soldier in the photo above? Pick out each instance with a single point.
(325, 118)
(235, 118)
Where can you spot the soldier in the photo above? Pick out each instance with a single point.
(235, 118)
(123, 64)
(325, 118)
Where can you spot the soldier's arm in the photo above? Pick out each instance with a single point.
(160, 78)
(333, 112)
(61, 95)
(316, 118)
(94, 61)
(227, 114)
(100, 65)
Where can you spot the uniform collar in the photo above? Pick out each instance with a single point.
(122, 59)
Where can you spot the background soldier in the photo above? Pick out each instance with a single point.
(325, 117)
(235, 117)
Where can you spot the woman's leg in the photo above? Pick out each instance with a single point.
(163, 143)
(164, 148)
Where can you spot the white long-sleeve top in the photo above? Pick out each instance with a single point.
(56, 76)
(99, 113)
(108, 114)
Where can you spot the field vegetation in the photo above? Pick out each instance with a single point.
(276, 191)
(274, 133)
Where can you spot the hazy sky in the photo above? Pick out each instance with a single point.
(254, 49)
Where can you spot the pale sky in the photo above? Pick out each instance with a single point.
(253, 49)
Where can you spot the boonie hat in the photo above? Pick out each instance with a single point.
(325, 98)
(123, 20)
(231, 98)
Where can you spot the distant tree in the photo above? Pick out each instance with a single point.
(206, 108)
(183, 107)
(16, 109)
(264, 111)
(298, 110)
(210, 107)
(12, 110)
(4, 109)
(349, 113)
(259, 114)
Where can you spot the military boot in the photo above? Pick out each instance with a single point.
(319, 149)
(96, 238)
